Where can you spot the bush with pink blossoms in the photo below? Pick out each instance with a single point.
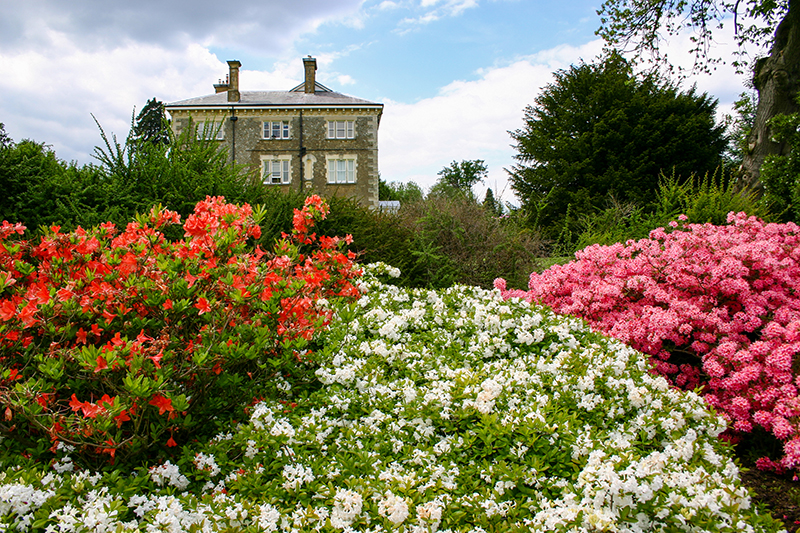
(717, 307)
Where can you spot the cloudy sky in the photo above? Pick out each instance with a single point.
(454, 75)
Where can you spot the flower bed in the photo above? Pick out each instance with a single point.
(122, 345)
(440, 411)
(717, 307)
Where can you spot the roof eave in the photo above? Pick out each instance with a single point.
(239, 105)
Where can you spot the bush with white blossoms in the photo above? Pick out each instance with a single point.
(438, 411)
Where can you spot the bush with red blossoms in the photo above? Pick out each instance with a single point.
(121, 346)
(717, 307)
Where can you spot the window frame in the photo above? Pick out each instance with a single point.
(284, 171)
(348, 129)
(212, 134)
(334, 172)
(284, 127)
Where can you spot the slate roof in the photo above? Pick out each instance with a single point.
(291, 98)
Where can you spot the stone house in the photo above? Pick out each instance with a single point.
(308, 138)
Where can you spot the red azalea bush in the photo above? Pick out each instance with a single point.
(114, 344)
(715, 306)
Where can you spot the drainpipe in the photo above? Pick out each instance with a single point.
(234, 118)
(302, 153)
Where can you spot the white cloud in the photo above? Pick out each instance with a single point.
(51, 98)
(469, 120)
(388, 4)
(255, 25)
(448, 8)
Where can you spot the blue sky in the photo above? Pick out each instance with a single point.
(454, 75)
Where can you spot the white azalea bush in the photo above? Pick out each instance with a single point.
(449, 411)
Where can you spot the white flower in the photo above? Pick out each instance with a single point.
(393, 508)
(295, 475)
(206, 462)
(170, 474)
(347, 505)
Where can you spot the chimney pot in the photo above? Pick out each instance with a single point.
(310, 66)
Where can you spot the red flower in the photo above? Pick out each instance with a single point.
(7, 310)
(101, 364)
(202, 305)
(122, 417)
(163, 404)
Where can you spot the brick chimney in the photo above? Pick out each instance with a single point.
(233, 81)
(310, 65)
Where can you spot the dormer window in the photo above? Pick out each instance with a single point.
(341, 129)
(276, 129)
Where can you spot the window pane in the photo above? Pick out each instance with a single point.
(331, 130)
(340, 132)
(285, 130)
(265, 133)
(350, 129)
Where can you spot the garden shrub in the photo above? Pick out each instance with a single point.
(448, 411)
(119, 345)
(716, 307)
(702, 199)
(456, 240)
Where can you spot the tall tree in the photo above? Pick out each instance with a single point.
(465, 174)
(151, 124)
(773, 24)
(5, 140)
(601, 130)
(491, 204)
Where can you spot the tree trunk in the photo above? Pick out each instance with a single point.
(777, 80)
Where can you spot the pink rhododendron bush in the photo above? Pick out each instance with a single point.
(716, 307)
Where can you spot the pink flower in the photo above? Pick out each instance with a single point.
(726, 299)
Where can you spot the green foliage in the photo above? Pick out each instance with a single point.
(706, 199)
(177, 174)
(464, 175)
(492, 205)
(740, 126)
(405, 193)
(41, 190)
(151, 125)
(602, 130)
(780, 174)
(5, 140)
(455, 240)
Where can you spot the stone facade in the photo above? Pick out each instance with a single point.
(320, 141)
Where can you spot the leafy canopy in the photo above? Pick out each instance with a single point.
(639, 25)
(465, 174)
(601, 130)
